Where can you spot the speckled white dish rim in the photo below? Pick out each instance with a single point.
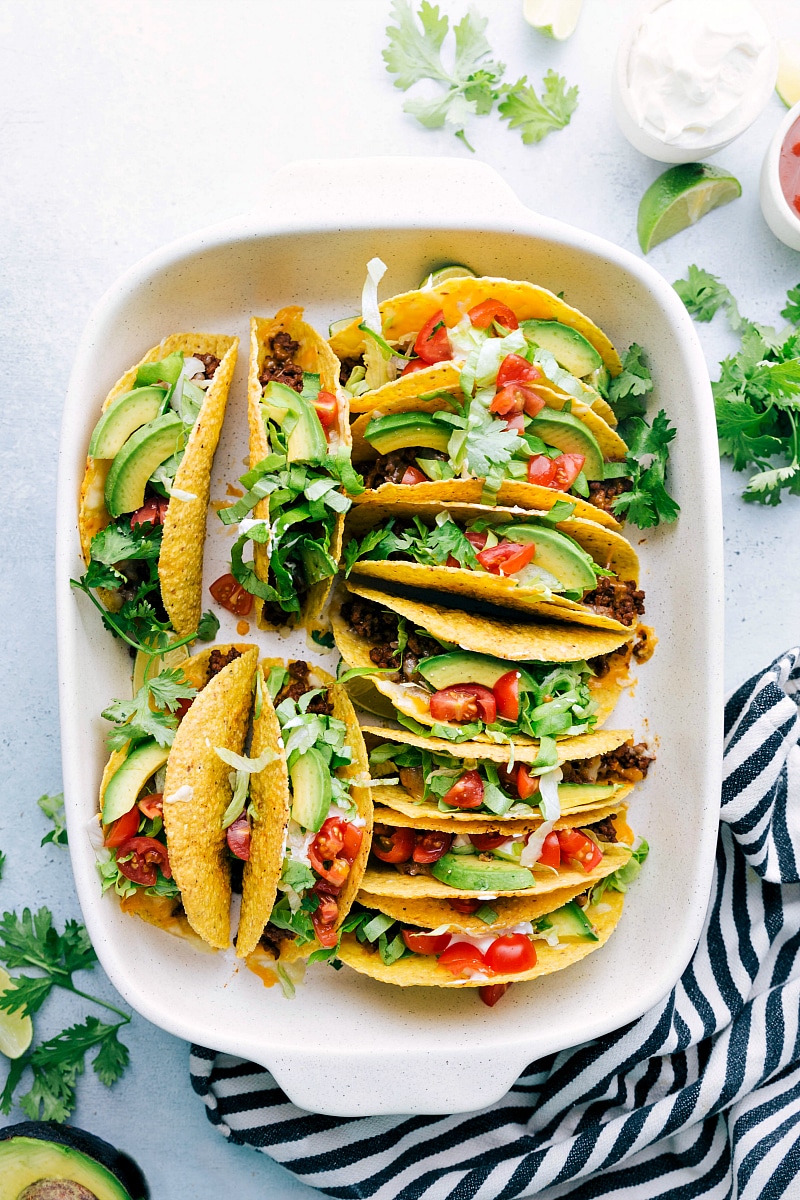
(348, 1045)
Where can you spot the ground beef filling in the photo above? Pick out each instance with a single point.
(279, 365)
(617, 598)
(272, 937)
(629, 763)
(298, 684)
(219, 660)
(378, 625)
(603, 492)
(390, 468)
(210, 363)
(604, 830)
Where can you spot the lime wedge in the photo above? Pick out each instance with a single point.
(554, 18)
(449, 271)
(16, 1031)
(160, 662)
(788, 83)
(681, 196)
(337, 326)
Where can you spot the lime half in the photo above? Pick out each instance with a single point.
(159, 662)
(680, 197)
(16, 1031)
(554, 18)
(788, 83)
(449, 271)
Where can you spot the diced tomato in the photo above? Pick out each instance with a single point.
(392, 845)
(506, 694)
(492, 992)
(511, 953)
(579, 849)
(433, 344)
(466, 792)
(238, 837)
(430, 847)
(425, 943)
(228, 592)
(153, 805)
(541, 470)
(507, 558)
(123, 828)
(414, 475)
(478, 540)
(516, 423)
(327, 408)
(138, 858)
(515, 398)
(152, 512)
(551, 852)
(488, 311)
(324, 920)
(460, 958)
(324, 852)
(487, 841)
(566, 469)
(464, 702)
(516, 369)
(353, 837)
(462, 904)
(526, 784)
(415, 364)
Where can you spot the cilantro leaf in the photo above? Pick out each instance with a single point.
(413, 55)
(27, 993)
(120, 542)
(535, 117)
(53, 807)
(704, 295)
(792, 310)
(648, 502)
(137, 720)
(627, 390)
(208, 626)
(58, 1062)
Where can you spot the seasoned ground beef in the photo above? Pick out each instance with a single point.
(412, 868)
(272, 937)
(347, 367)
(617, 598)
(390, 468)
(210, 363)
(298, 684)
(279, 365)
(218, 660)
(378, 625)
(601, 663)
(369, 620)
(603, 492)
(629, 763)
(604, 830)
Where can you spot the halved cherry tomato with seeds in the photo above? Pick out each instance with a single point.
(324, 920)
(228, 592)
(464, 702)
(123, 828)
(153, 805)
(507, 558)
(430, 847)
(392, 845)
(138, 858)
(466, 792)
(460, 958)
(414, 475)
(526, 784)
(488, 311)
(426, 943)
(492, 992)
(487, 841)
(506, 693)
(152, 512)
(327, 408)
(516, 369)
(326, 851)
(551, 852)
(566, 469)
(432, 343)
(541, 470)
(579, 849)
(511, 953)
(238, 838)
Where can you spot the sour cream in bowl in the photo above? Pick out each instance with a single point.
(692, 75)
(780, 181)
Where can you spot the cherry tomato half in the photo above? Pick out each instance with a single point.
(414, 475)
(506, 693)
(152, 512)
(487, 841)
(228, 592)
(516, 423)
(238, 838)
(392, 845)
(551, 852)
(138, 858)
(430, 847)
(488, 311)
(324, 856)
(426, 943)
(433, 344)
(526, 784)
(507, 558)
(541, 470)
(327, 408)
(460, 958)
(153, 805)
(515, 398)
(492, 992)
(324, 920)
(566, 469)
(511, 953)
(415, 364)
(461, 904)
(516, 369)
(464, 702)
(466, 792)
(123, 828)
(576, 847)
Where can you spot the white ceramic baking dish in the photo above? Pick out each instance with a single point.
(349, 1045)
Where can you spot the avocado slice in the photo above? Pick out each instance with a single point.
(166, 370)
(579, 795)
(39, 1170)
(144, 450)
(306, 441)
(122, 418)
(128, 780)
(461, 666)
(558, 555)
(24, 1139)
(311, 790)
(569, 435)
(570, 921)
(470, 873)
(570, 349)
(399, 430)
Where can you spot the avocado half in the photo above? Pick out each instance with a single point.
(41, 1160)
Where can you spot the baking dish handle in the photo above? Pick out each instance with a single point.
(387, 191)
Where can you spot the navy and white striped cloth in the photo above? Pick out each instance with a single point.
(698, 1098)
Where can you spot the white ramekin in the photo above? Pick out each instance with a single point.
(778, 213)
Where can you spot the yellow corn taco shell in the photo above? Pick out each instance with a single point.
(180, 564)
(385, 881)
(436, 914)
(424, 970)
(394, 806)
(316, 357)
(195, 837)
(585, 745)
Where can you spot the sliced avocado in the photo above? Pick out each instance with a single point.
(570, 921)
(570, 349)
(128, 780)
(579, 795)
(470, 873)
(144, 450)
(399, 430)
(306, 441)
(311, 790)
(461, 666)
(166, 370)
(558, 555)
(122, 418)
(31, 1169)
(569, 435)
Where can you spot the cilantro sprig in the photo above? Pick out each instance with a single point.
(53, 808)
(150, 714)
(473, 83)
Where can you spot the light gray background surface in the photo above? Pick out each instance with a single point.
(126, 124)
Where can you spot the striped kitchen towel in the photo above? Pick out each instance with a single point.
(698, 1098)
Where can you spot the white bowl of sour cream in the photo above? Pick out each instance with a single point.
(692, 75)
(780, 181)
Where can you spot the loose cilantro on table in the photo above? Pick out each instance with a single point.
(756, 396)
(32, 941)
(474, 83)
(53, 807)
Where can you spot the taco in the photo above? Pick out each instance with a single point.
(473, 678)
(299, 461)
(311, 819)
(544, 563)
(501, 386)
(145, 492)
(163, 849)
